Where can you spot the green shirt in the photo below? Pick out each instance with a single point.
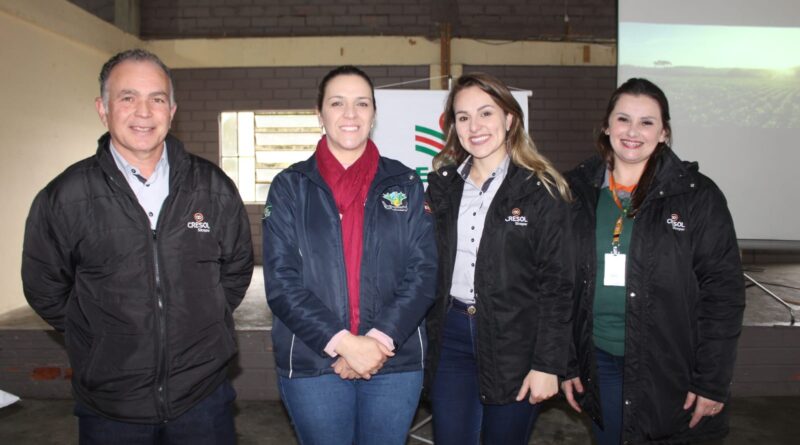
(609, 301)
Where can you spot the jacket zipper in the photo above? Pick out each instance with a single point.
(367, 200)
(161, 368)
(161, 373)
(370, 209)
(161, 364)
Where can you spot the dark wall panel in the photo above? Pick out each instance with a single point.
(103, 9)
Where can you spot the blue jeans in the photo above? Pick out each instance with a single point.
(327, 410)
(609, 379)
(210, 422)
(459, 417)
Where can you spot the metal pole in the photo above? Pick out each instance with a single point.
(771, 294)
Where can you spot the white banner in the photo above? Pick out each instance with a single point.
(408, 125)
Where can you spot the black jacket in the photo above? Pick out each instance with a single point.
(147, 315)
(685, 300)
(523, 280)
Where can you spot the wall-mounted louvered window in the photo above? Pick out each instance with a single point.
(256, 145)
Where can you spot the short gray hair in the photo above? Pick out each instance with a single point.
(139, 55)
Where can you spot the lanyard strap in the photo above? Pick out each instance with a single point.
(612, 187)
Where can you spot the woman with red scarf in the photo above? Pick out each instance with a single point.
(349, 268)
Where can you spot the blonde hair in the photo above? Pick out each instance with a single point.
(519, 144)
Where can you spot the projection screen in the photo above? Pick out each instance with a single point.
(731, 71)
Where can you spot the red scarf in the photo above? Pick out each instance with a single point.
(350, 187)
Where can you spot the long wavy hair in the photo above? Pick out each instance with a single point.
(519, 144)
(636, 87)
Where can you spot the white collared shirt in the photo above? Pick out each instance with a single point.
(150, 192)
(475, 202)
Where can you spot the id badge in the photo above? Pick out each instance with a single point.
(615, 270)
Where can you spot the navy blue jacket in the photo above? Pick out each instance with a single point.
(304, 270)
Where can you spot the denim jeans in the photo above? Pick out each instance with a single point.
(327, 410)
(459, 417)
(609, 378)
(210, 422)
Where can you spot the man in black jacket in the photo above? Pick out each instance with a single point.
(139, 255)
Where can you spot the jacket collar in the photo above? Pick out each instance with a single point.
(386, 169)
(177, 155)
(672, 176)
(519, 182)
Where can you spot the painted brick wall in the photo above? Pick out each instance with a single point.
(499, 19)
(565, 109)
(202, 94)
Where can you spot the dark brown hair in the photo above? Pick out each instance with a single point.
(636, 87)
(344, 70)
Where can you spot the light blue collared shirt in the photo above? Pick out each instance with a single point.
(475, 202)
(150, 192)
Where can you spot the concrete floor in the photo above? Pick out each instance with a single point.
(754, 420)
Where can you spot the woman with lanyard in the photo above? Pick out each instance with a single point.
(659, 307)
(349, 268)
(505, 271)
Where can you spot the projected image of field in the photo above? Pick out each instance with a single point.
(719, 76)
(710, 97)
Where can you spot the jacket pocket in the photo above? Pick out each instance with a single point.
(118, 362)
(199, 356)
(211, 343)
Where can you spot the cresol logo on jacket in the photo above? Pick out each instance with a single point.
(396, 201)
(675, 221)
(517, 218)
(199, 223)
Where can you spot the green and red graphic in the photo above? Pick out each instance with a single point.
(427, 140)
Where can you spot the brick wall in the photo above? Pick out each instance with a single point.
(499, 19)
(566, 106)
(543, 19)
(237, 18)
(202, 94)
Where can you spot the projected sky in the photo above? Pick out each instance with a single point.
(748, 47)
